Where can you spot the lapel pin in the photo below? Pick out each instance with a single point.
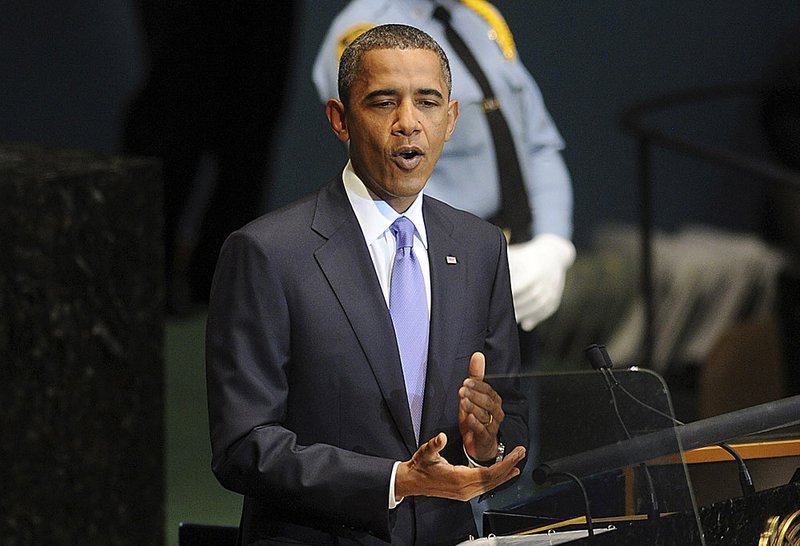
(452, 260)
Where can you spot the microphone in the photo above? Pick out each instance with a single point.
(599, 360)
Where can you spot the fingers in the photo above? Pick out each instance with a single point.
(480, 393)
(479, 428)
(480, 411)
(481, 401)
(430, 449)
(435, 477)
(509, 462)
(477, 366)
(498, 473)
(488, 416)
(478, 398)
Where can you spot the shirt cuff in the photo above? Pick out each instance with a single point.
(392, 501)
(471, 463)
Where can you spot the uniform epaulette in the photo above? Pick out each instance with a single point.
(351, 34)
(499, 33)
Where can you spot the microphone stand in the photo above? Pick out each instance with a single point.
(599, 359)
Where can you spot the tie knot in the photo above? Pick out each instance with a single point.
(403, 230)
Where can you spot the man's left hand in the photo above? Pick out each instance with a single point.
(480, 412)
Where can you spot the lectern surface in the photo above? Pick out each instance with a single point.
(549, 539)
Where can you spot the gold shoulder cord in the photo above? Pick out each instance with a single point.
(349, 35)
(499, 33)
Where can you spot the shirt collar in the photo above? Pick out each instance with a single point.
(374, 214)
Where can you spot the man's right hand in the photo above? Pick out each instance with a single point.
(429, 474)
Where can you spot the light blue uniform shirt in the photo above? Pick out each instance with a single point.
(466, 175)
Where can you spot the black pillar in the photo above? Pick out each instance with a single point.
(81, 349)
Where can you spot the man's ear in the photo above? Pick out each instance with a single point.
(334, 109)
(452, 117)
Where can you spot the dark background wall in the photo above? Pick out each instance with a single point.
(68, 69)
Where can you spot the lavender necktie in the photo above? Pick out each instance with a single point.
(408, 305)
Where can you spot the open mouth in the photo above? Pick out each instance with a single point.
(408, 158)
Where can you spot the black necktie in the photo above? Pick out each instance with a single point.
(515, 213)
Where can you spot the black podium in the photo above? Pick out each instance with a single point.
(608, 447)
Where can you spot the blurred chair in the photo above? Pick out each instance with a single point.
(200, 534)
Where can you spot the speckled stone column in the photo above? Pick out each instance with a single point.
(81, 349)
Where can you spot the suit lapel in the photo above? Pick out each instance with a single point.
(448, 265)
(346, 263)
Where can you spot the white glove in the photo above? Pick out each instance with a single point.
(538, 269)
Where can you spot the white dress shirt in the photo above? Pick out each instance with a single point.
(375, 216)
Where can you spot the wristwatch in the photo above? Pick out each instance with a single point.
(501, 451)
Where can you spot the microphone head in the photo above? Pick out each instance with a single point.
(598, 357)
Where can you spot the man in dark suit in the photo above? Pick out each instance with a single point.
(314, 402)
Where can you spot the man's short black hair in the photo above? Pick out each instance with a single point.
(386, 37)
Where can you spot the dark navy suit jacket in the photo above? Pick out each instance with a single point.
(307, 403)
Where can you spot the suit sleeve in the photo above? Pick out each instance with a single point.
(247, 364)
(503, 358)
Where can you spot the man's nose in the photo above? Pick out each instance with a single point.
(407, 122)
